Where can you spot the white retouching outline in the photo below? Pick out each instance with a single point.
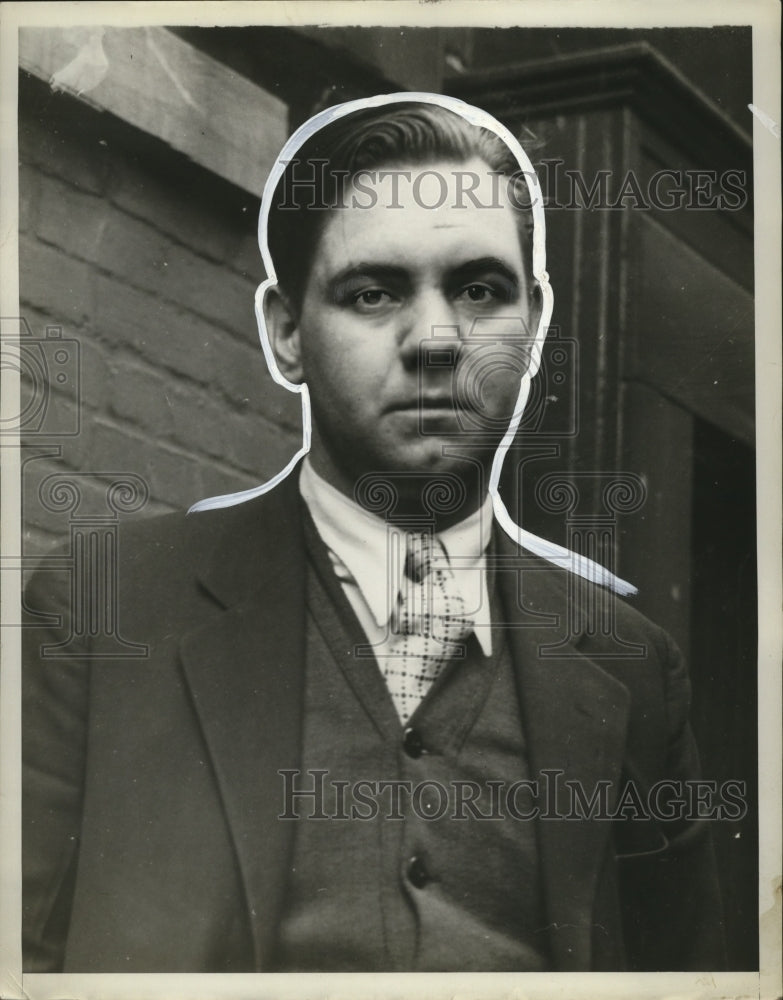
(550, 551)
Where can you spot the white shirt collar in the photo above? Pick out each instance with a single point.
(362, 543)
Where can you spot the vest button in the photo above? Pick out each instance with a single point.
(412, 742)
(417, 873)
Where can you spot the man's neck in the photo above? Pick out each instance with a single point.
(411, 501)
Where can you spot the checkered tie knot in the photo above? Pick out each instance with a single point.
(429, 626)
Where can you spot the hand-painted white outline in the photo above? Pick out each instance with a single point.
(557, 554)
(766, 121)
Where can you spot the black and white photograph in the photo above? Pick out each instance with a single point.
(391, 468)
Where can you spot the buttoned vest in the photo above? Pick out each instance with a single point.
(408, 851)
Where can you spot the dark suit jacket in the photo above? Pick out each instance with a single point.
(151, 788)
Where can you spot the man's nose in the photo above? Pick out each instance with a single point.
(430, 330)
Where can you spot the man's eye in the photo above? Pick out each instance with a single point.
(478, 293)
(371, 298)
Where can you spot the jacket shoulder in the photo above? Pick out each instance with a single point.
(598, 614)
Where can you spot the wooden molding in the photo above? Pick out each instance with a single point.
(634, 75)
(157, 82)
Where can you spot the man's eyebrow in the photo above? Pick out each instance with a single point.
(376, 272)
(470, 267)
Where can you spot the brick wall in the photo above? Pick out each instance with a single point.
(149, 263)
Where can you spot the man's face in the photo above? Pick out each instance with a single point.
(416, 325)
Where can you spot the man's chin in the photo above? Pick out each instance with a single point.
(413, 475)
(444, 457)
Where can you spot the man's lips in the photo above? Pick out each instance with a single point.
(422, 404)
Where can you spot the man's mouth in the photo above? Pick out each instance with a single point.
(424, 404)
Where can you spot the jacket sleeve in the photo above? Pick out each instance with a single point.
(672, 911)
(54, 719)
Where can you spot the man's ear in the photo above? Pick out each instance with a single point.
(282, 327)
(536, 306)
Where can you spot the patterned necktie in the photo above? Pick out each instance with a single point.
(429, 625)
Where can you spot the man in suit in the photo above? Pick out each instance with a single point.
(366, 737)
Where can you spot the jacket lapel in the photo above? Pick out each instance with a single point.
(575, 717)
(245, 669)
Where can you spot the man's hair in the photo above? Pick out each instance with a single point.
(394, 135)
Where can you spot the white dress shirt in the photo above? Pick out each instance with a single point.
(368, 556)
